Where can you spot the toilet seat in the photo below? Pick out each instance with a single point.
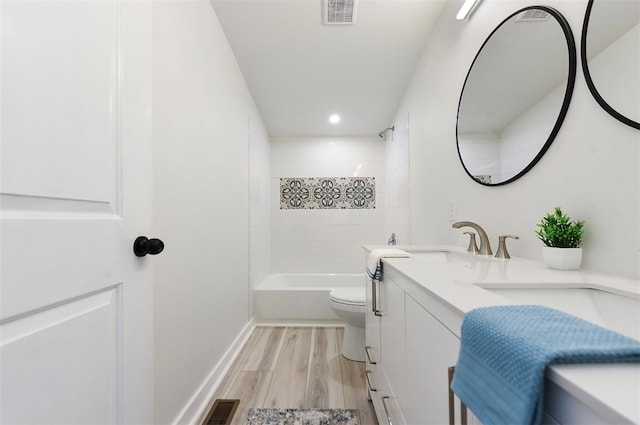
(348, 296)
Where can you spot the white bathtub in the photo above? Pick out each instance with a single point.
(300, 297)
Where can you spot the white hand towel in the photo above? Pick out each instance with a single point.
(374, 268)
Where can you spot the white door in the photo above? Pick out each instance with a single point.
(75, 191)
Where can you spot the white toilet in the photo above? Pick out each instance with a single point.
(349, 304)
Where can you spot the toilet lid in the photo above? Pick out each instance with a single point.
(354, 296)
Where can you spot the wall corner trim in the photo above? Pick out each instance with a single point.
(197, 405)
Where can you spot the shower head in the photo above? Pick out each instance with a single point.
(381, 134)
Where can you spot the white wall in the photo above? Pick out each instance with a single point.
(201, 110)
(259, 205)
(325, 241)
(591, 170)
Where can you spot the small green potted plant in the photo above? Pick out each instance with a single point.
(562, 238)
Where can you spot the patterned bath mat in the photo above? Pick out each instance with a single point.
(303, 417)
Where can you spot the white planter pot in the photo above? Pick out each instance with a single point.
(562, 258)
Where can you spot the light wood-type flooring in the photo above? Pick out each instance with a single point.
(291, 367)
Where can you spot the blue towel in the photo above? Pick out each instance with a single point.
(504, 351)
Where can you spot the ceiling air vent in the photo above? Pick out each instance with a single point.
(533, 15)
(340, 12)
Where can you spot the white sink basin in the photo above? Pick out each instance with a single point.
(610, 310)
(445, 256)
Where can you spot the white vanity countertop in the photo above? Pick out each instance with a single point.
(613, 390)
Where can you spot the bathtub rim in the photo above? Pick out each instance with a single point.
(357, 280)
(265, 284)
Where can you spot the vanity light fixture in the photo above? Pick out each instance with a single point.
(334, 119)
(467, 6)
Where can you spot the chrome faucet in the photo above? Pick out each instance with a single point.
(392, 239)
(485, 245)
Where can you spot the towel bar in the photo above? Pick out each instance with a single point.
(374, 299)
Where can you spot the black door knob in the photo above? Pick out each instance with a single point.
(143, 246)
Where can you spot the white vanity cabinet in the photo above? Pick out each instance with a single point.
(412, 339)
(409, 356)
(385, 347)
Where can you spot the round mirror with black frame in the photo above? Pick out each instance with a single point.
(516, 95)
(610, 55)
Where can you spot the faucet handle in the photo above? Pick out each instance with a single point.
(502, 246)
(473, 247)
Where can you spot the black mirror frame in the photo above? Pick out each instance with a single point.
(571, 78)
(587, 75)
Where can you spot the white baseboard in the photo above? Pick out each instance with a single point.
(194, 410)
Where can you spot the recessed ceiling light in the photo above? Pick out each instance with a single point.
(334, 119)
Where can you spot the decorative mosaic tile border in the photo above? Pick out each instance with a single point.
(327, 193)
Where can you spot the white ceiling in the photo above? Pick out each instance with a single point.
(301, 71)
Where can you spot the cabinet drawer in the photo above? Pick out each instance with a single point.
(388, 411)
(371, 355)
(371, 378)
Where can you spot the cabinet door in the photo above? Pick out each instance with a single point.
(431, 350)
(389, 411)
(392, 337)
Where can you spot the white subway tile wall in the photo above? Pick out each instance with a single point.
(398, 203)
(328, 240)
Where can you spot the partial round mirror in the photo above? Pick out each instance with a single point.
(611, 57)
(516, 95)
